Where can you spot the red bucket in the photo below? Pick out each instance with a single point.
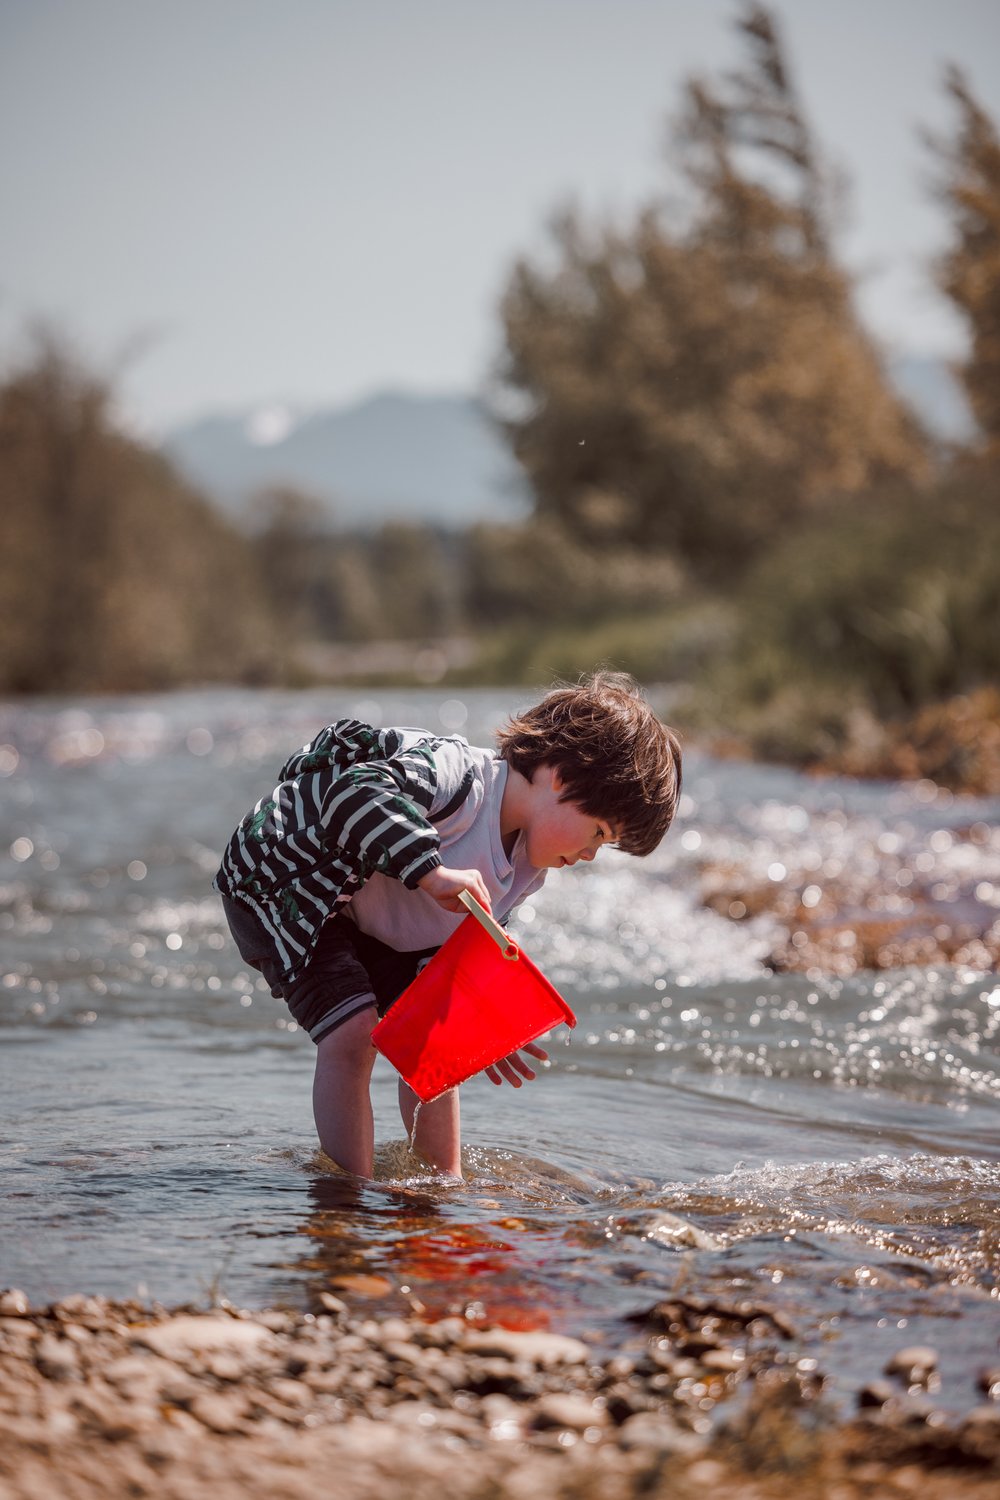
(479, 999)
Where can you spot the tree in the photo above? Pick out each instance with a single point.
(113, 574)
(969, 273)
(695, 381)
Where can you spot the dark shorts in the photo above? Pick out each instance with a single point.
(348, 972)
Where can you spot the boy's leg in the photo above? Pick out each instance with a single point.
(438, 1137)
(342, 1106)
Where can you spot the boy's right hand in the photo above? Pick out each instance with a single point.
(444, 885)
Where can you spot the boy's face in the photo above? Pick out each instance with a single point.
(559, 833)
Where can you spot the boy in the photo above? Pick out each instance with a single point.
(346, 879)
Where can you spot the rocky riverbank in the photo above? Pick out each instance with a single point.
(884, 908)
(102, 1398)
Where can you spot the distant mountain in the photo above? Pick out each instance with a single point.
(425, 458)
(392, 456)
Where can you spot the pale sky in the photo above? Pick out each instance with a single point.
(309, 200)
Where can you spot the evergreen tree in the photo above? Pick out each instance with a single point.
(969, 273)
(695, 381)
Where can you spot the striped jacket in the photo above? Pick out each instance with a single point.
(354, 801)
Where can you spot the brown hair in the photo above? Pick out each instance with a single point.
(616, 760)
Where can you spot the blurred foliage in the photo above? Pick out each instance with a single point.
(698, 381)
(403, 581)
(864, 617)
(969, 273)
(113, 573)
(656, 646)
(541, 573)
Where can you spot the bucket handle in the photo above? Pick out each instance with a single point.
(504, 942)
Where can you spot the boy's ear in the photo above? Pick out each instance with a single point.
(546, 776)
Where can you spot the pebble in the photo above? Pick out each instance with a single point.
(184, 1335)
(989, 1381)
(575, 1412)
(219, 1413)
(13, 1303)
(877, 1393)
(163, 1387)
(657, 1430)
(914, 1364)
(545, 1349)
(56, 1359)
(723, 1361)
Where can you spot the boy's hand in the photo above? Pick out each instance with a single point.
(444, 885)
(514, 1068)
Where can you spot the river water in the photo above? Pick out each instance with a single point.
(829, 1149)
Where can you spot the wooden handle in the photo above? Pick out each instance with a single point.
(502, 939)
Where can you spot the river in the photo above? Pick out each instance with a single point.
(827, 1147)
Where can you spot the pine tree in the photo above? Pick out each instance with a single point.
(694, 382)
(969, 273)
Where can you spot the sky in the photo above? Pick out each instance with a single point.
(235, 203)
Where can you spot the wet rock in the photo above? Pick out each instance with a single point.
(324, 1382)
(134, 1371)
(545, 1349)
(989, 1381)
(658, 1431)
(226, 1366)
(14, 1304)
(194, 1334)
(876, 1394)
(623, 1401)
(574, 1412)
(723, 1361)
(219, 1413)
(505, 1419)
(915, 1365)
(413, 1414)
(333, 1305)
(178, 1388)
(406, 1353)
(291, 1392)
(56, 1359)
(91, 1312)
(444, 1333)
(485, 1376)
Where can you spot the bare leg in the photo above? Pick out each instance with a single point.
(438, 1136)
(342, 1106)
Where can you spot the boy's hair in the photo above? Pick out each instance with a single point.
(615, 758)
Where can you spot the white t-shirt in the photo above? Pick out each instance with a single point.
(409, 920)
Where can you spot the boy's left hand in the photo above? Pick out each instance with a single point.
(514, 1069)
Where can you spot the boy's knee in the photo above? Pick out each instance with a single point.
(350, 1043)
